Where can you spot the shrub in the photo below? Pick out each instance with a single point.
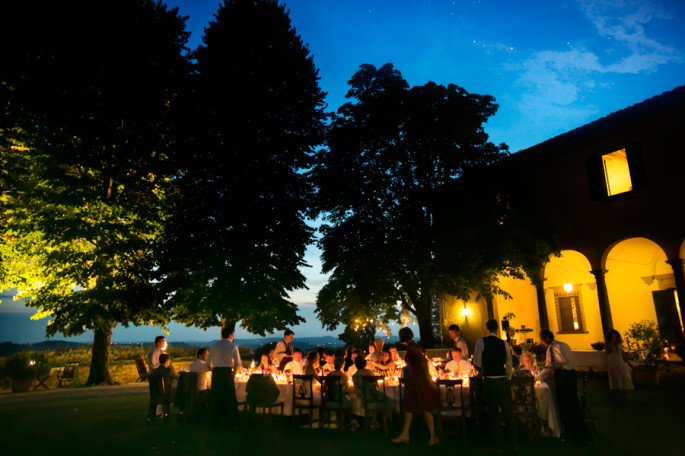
(25, 365)
(644, 343)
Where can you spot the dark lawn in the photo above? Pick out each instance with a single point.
(649, 422)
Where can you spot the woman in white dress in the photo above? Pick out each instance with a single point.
(619, 372)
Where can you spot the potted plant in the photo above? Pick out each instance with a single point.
(599, 346)
(644, 348)
(23, 367)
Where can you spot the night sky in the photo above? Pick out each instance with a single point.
(552, 66)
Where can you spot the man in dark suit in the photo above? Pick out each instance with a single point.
(493, 357)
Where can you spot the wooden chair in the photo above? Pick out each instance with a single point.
(262, 393)
(41, 381)
(303, 397)
(160, 390)
(141, 368)
(332, 400)
(525, 404)
(452, 407)
(477, 407)
(374, 400)
(66, 375)
(188, 398)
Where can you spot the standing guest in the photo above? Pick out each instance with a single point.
(619, 372)
(153, 356)
(561, 364)
(457, 341)
(458, 364)
(296, 366)
(272, 356)
(493, 357)
(225, 360)
(284, 349)
(529, 364)
(422, 393)
(200, 367)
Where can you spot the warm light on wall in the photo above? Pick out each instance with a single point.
(568, 287)
(465, 312)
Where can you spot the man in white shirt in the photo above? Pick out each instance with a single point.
(493, 357)
(458, 364)
(153, 356)
(457, 341)
(200, 367)
(561, 363)
(296, 366)
(225, 361)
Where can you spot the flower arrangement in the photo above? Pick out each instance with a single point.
(599, 346)
(644, 343)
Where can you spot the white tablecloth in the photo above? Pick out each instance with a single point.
(546, 409)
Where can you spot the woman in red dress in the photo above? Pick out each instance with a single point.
(422, 394)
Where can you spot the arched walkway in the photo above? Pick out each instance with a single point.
(640, 284)
(571, 298)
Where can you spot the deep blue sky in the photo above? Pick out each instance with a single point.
(551, 65)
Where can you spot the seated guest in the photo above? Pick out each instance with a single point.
(372, 353)
(338, 363)
(328, 366)
(349, 357)
(273, 357)
(362, 371)
(200, 367)
(386, 363)
(458, 364)
(516, 366)
(516, 351)
(165, 368)
(265, 365)
(529, 364)
(312, 368)
(353, 368)
(431, 367)
(296, 366)
(394, 355)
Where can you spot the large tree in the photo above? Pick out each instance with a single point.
(391, 152)
(87, 93)
(240, 232)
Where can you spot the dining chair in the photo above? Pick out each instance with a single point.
(452, 407)
(303, 397)
(333, 400)
(525, 404)
(374, 401)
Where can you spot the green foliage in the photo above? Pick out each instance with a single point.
(88, 91)
(644, 343)
(385, 191)
(24, 365)
(239, 232)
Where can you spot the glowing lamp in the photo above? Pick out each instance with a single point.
(568, 287)
(465, 312)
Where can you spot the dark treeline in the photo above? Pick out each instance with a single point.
(142, 181)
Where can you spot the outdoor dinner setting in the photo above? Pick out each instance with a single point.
(342, 227)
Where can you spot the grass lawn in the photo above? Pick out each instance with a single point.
(647, 423)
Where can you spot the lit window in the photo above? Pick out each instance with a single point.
(569, 312)
(617, 172)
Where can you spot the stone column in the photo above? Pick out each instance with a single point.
(603, 297)
(679, 274)
(542, 306)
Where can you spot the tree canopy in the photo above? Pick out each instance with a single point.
(87, 91)
(239, 233)
(392, 152)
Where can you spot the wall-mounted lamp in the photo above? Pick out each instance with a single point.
(465, 312)
(568, 287)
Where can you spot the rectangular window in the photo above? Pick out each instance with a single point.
(617, 172)
(570, 312)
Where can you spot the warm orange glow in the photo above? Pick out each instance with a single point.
(617, 172)
(568, 287)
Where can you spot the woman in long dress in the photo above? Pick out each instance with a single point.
(422, 394)
(619, 372)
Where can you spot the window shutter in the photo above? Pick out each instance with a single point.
(638, 175)
(595, 178)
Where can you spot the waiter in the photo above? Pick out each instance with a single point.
(225, 360)
(561, 364)
(493, 357)
(284, 349)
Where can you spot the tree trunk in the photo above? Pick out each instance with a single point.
(424, 318)
(99, 364)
